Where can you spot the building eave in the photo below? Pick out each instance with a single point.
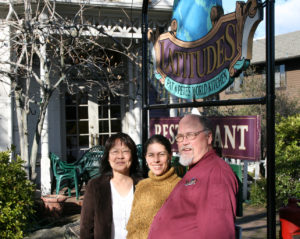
(285, 48)
(166, 5)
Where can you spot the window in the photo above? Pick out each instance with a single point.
(89, 121)
(280, 76)
(280, 79)
(76, 123)
(109, 110)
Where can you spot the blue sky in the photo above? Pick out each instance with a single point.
(287, 16)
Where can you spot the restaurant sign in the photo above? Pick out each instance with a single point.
(197, 69)
(234, 136)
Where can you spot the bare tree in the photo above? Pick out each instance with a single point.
(49, 50)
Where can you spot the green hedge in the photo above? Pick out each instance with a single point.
(16, 197)
(258, 193)
(287, 163)
(287, 153)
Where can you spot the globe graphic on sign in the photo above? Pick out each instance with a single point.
(193, 18)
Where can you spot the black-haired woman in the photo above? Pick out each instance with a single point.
(108, 198)
(152, 192)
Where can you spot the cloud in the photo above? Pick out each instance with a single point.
(287, 17)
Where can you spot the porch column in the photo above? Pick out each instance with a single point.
(173, 111)
(45, 163)
(6, 118)
(133, 116)
(138, 106)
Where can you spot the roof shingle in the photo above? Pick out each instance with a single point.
(286, 46)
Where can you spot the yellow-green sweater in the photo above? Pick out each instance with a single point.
(149, 196)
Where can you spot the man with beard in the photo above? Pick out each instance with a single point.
(203, 204)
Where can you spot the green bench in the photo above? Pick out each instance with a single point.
(89, 165)
(73, 175)
(66, 174)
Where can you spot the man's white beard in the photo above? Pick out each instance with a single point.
(186, 160)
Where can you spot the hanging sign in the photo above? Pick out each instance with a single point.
(234, 136)
(199, 68)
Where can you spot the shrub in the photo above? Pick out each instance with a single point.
(16, 197)
(287, 164)
(258, 192)
(287, 153)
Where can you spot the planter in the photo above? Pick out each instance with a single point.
(54, 204)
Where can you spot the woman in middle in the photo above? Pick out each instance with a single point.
(151, 193)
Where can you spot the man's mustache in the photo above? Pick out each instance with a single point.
(186, 147)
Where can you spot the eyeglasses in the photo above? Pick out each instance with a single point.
(115, 152)
(190, 136)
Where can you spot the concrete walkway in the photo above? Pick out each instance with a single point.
(53, 226)
(55, 232)
(253, 224)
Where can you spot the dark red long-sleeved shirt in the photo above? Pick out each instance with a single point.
(202, 205)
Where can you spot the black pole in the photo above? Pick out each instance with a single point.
(270, 91)
(144, 71)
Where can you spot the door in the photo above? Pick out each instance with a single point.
(90, 120)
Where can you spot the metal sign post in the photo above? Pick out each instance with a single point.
(144, 70)
(269, 100)
(270, 58)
